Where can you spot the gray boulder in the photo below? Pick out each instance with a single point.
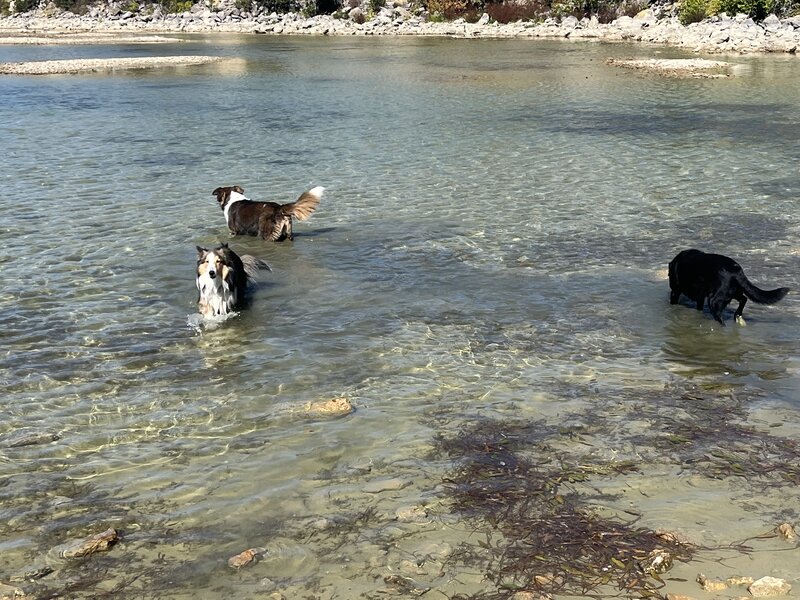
(569, 22)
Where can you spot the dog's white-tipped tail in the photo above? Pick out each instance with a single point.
(307, 203)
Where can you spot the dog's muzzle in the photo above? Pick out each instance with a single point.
(212, 274)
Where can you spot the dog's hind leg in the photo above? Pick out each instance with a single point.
(266, 227)
(673, 296)
(737, 316)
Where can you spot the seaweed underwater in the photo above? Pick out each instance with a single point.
(542, 537)
(706, 434)
(525, 491)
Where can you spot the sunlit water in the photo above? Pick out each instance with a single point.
(493, 242)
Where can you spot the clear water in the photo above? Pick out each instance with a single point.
(493, 242)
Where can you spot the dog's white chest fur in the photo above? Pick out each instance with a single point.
(234, 198)
(217, 297)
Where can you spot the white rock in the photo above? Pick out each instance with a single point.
(769, 586)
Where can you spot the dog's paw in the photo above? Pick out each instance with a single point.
(740, 321)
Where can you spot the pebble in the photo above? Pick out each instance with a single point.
(246, 558)
(525, 595)
(96, 543)
(769, 586)
(711, 585)
(786, 531)
(407, 585)
(9, 592)
(385, 485)
(658, 561)
(411, 514)
(335, 407)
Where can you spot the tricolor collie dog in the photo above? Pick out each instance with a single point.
(222, 279)
(270, 220)
(700, 276)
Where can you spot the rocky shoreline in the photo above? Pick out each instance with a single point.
(719, 34)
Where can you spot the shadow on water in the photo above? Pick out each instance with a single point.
(314, 232)
(744, 124)
(725, 232)
(783, 187)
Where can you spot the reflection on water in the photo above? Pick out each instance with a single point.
(492, 245)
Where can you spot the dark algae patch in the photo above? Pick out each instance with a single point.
(540, 535)
(707, 435)
(532, 508)
(541, 526)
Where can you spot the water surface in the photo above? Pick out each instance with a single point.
(493, 243)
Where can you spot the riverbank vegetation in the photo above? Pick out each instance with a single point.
(693, 11)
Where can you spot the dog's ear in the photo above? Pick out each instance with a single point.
(238, 188)
(224, 245)
(201, 251)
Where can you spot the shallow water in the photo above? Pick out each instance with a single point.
(493, 243)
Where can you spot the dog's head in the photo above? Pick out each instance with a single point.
(213, 265)
(224, 194)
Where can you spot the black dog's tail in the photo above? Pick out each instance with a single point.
(757, 294)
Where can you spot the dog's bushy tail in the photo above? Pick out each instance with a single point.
(305, 205)
(253, 266)
(757, 294)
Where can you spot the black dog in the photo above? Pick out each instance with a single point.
(698, 276)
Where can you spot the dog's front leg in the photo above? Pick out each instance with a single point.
(716, 305)
(699, 302)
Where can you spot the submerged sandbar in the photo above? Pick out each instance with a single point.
(677, 67)
(89, 65)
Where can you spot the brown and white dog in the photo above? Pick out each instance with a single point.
(270, 220)
(222, 279)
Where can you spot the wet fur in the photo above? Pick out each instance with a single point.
(269, 220)
(222, 279)
(700, 276)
